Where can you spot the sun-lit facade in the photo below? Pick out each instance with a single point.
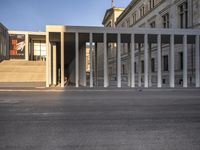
(159, 14)
(151, 43)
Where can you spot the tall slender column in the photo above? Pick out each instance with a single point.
(96, 65)
(132, 60)
(150, 65)
(139, 66)
(105, 61)
(84, 66)
(91, 61)
(47, 59)
(119, 60)
(77, 59)
(159, 78)
(62, 60)
(81, 66)
(129, 64)
(185, 60)
(171, 71)
(197, 61)
(54, 65)
(32, 50)
(50, 64)
(26, 46)
(146, 60)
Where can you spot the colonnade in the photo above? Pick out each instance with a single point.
(132, 59)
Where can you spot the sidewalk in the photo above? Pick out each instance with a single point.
(40, 87)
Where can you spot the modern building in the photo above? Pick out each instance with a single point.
(141, 45)
(3, 43)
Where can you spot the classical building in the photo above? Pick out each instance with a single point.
(157, 14)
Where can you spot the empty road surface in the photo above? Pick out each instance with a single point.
(100, 120)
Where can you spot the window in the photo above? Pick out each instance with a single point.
(153, 24)
(123, 69)
(165, 19)
(123, 25)
(152, 4)
(183, 15)
(128, 23)
(39, 50)
(142, 66)
(165, 63)
(135, 67)
(109, 24)
(152, 65)
(134, 17)
(142, 11)
(181, 60)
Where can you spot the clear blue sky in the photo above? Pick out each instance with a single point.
(33, 15)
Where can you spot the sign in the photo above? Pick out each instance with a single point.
(17, 46)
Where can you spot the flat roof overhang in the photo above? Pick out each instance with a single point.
(85, 29)
(27, 32)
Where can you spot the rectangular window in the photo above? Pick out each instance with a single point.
(134, 18)
(183, 15)
(152, 65)
(135, 67)
(165, 63)
(152, 4)
(181, 60)
(142, 12)
(153, 24)
(165, 19)
(128, 23)
(142, 66)
(123, 69)
(123, 25)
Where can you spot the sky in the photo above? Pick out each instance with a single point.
(34, 15)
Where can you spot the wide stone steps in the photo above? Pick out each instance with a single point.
(22, 71)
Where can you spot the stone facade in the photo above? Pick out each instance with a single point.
(156, 14)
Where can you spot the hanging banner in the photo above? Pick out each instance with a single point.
(17, 46)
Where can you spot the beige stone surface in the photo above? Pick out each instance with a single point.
(22, 71)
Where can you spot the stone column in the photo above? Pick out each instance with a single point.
(132, 60)
(91, 61)
(106, 84)
(62, 68)
(54, 65)
(47, 59)
(119, 60)
(84, 66)
(197, 61)
(129, 64)
(77, 59)
(139, 66)
(150, 65)
(26, 46)
(146, 60)
(171, 71)
(159, 73)
(185, 60)
(81, 66)
(96, 65)
(32, 50)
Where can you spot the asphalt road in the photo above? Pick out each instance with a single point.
(100, 120)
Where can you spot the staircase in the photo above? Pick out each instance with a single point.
(22, 71)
